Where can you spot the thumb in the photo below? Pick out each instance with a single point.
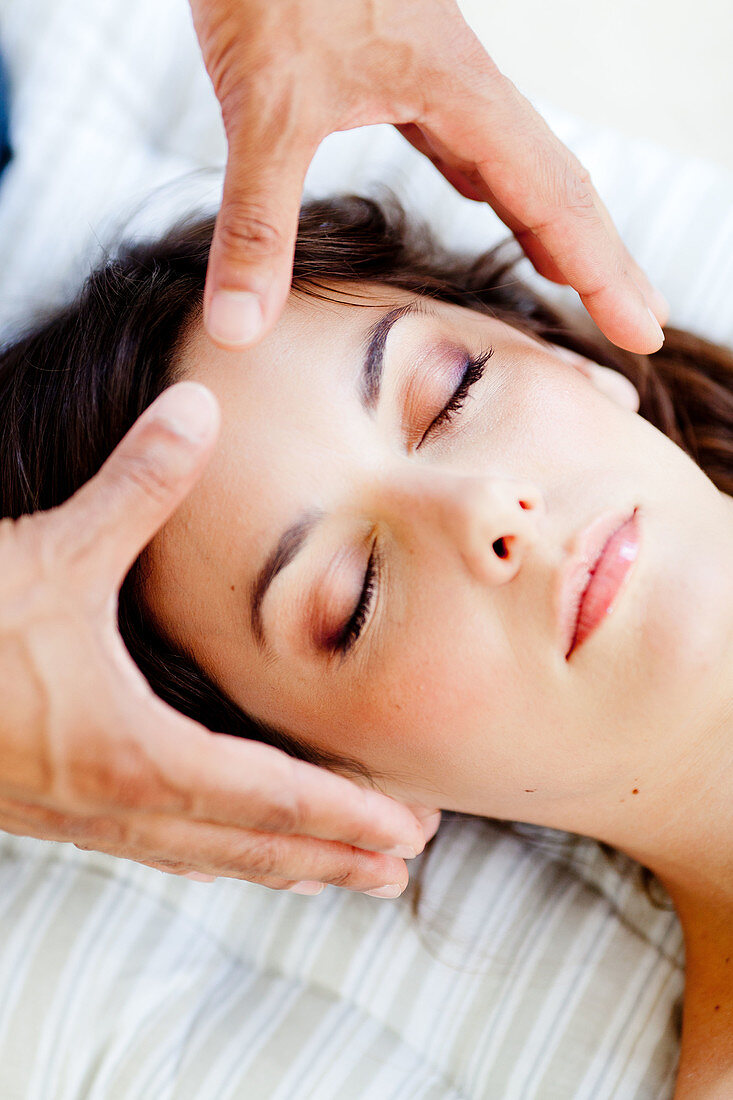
(251, 259)
(115, 515)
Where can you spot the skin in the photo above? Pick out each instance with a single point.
(289, 74)
(89, 754)
(458, 693)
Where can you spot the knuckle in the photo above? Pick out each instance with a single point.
(87, 774)
(288, 814)
(342, 878)
(248, 229)
(52, 823)
(149, 471)
(261, 858)
(556, 187)
(94, 831)
(272, 882)
(109, 768)
(577, 188)
(101, 771)
(171, 866)
(281, 817)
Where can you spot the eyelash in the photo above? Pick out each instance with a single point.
(355, 625)
(473, 371)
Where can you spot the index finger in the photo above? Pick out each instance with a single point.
(176, 767)
(488, 132)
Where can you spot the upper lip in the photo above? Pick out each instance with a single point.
(573, 576)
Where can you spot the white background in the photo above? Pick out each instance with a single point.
(658, 69)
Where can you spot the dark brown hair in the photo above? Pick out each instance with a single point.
(72, 386)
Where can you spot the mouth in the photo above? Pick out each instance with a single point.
(590, 583)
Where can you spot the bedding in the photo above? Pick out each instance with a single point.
(537, 969)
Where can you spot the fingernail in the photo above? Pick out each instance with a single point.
(392, 891)
(234, 317)
(402, 851)
(189, 409)
(659, 306)
(655, 328)
(199, 876)
(306, 887)
(430, 825)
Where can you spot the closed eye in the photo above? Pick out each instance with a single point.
(473, 371)
(351, 631)
(353, 628)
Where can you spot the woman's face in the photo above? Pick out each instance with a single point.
(457, 686)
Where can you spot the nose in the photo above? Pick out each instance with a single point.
(490, 522)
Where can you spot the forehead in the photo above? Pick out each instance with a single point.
(316, 348)
(292, 424)
(293, 428)
(294, 438)
(290, 404)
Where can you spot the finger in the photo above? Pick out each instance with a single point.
(477, 190)
(251, 259)
(273, 860)
(112, 518)
(543, 194)
(471, 186)
(195, 876)
(654, 298)
(248, 783)
(178, 846)
(429, 819)
(162, 762)
(571, 245)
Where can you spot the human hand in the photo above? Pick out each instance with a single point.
(89, 754)
(289, 73)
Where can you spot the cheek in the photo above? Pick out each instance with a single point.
(431, 708)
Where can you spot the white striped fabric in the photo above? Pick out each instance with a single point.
(537, 968)
(519, 978)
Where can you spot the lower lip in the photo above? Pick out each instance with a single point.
(604, 586)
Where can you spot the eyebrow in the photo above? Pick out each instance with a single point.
(373, 368)
(294, 538)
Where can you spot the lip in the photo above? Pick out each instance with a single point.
(590, 581)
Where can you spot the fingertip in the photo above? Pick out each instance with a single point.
(431, 824)
(402, 851)
(656, 334)
(627, 321)
(234, 318)
(659, 306)
(188, 409)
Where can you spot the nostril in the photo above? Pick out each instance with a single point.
(500, 548)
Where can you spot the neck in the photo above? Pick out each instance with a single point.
(684, 834)
(687, 829)
(683, 828)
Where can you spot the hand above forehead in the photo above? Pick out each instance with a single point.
(288, 74)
